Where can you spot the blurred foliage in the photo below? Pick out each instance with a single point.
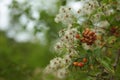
(45, 17)
(26, 60)
(19, 60)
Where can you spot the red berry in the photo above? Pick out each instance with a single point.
(84, 60)
(80, 64)
(77, 36)
(75, 63)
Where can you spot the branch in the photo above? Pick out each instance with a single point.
(116, 60)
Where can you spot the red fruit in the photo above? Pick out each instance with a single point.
(84, 60)
(77, 36)
(80, 64)
(75, 63)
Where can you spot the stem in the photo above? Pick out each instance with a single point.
(116, 60)
(91, 75)
(116, 63)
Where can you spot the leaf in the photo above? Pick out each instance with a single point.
(97, 52)
(111, 39)
(106, 66)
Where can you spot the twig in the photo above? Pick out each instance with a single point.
(116, 60)
(116, 63)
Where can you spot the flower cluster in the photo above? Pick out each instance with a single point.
(65, 16)
(89, 7)
(59, 66)
(65, 45)
(92, 36)
(67, 39)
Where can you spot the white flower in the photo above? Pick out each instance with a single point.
(58, 46)
(61, 73)
(96, 17)
(89, 7)
(57, 62)
(58, 66)
(65, 16)
(85, 46)
(67, 40)
(67, 59)
(54, 65)
(102, 24)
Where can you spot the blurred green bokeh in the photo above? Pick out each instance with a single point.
(19, 60)
(27, 60)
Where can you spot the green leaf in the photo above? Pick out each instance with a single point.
(106, 66)
(111, 39)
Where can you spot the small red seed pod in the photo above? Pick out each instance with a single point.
(83, 40)
(89, 37)
(77, 36)
(85, 60)
(80, 64)
(87, 31)
(75, 63)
